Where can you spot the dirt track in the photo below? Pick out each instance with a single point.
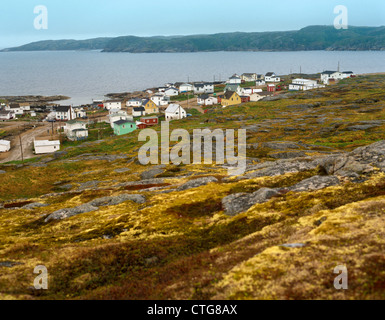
(27, 140)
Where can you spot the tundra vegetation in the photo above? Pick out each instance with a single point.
(312, 198)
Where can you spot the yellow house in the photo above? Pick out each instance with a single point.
(231, 98)
(150, 107)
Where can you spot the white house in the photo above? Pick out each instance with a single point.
(160, 99)
(138, 112)
(303, 84)
(76, 130)
(272, 77)
(259, 95)
(112, 104)
(186, 87)
(328, 75)
(249, 91)
(135, 102)
(248, 77)
(260, 82)
(6, 115)
(64, 113)
(348, 74)
(204, 87)
(122, 115)
(234, 79)
(46, 146)
(171, 92)
(15, 108)
(80, 112)
(175, 112)
(5, 145)
(206, 100)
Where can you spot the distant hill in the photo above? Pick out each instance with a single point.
(309, 38)
(55, 45)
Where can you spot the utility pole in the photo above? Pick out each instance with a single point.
(21, 147)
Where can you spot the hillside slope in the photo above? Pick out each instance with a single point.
(312, 198)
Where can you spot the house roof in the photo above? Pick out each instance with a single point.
(5, 143)
(173, 108)
(249, 74)
(14, 105)
(120, 122)
(204, 96)
(232, 87)
(74, 121)
(78, 130)
(329, 72)
(349, 72)
(137, 109)
(63, 108)
(112, 101)
(171, 88)
(3, 112)
(269, 74)
(42, 143)
(228, 94)
(146, 118)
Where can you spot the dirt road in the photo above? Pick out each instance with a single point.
(27, 139)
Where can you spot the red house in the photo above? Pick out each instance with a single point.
(245, 99)
(271, 88)
(141, 125)
(150, 121)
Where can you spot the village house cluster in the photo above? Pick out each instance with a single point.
(169, 101)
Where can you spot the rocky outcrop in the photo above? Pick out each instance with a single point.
(240, 202)
(315, 183)
(94, 206)
(197, 183)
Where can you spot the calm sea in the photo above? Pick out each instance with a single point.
(87, 75)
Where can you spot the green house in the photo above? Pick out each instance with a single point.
(123, 127)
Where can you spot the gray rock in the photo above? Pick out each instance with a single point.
(122, 170)
(281, 145)
(197, 183)
(9, 264)
(69, 212)
(94, 206)
(315, 183)
(113, 201)
(152, 173)
(361, 127)
(279, 167)
(288, 155)
(66, 186)
(2, 172)
(294, 245)
(241, 202)
(34, 205)
(88, 185)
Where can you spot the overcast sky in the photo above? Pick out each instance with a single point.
(83, 19)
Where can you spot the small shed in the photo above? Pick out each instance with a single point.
(5, 145)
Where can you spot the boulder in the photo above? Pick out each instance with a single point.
(241, 202)
(315, 183)
(197, 183)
